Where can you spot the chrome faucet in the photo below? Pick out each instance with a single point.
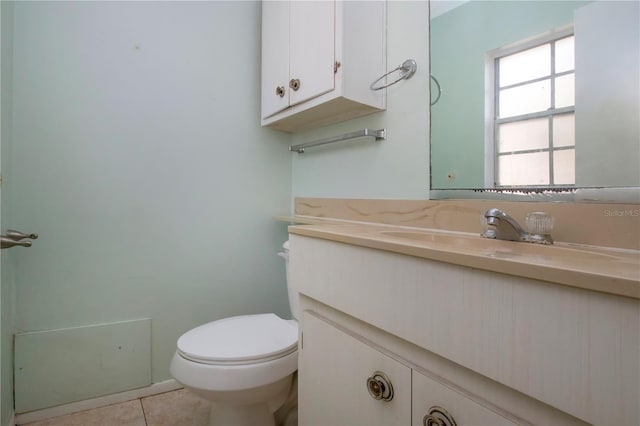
(504, 227)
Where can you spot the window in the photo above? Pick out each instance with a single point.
(534, 109)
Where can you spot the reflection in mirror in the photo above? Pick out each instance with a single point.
(535, 94)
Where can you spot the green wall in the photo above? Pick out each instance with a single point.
(460, 39)
(139, 158)
(397, 168)
(6, 257)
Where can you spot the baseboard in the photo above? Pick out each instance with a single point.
(88, 404)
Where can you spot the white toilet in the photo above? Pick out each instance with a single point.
(244, 365)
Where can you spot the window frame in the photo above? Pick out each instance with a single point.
(492, 103)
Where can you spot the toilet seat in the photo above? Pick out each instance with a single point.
(241, 340)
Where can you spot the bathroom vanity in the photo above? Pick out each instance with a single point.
(407, 326)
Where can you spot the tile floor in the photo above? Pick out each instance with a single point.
(177, 408)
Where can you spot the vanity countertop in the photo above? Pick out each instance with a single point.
(602, 269)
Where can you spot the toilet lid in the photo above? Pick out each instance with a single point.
(245, 339)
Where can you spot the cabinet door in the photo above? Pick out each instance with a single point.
(275, 57)
(332, 380)
(428, 393)
(312, 44)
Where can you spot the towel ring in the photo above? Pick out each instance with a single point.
(407, 69)
(435, 80)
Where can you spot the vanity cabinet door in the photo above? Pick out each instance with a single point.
(333, 372)
(430, 396)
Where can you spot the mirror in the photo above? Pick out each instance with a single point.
(534, 97)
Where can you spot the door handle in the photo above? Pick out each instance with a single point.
(6, 242)
(17, 235)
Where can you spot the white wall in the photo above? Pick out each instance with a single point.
(139, 159)
(397, 168)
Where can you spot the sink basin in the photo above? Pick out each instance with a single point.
(501, 249)
(455, 241)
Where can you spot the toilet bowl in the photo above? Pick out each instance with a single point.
(244, 365)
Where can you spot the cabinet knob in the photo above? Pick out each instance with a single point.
(294, 83)
(379, 386)
(280, 91)
(438, 416)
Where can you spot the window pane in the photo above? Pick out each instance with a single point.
(565, 55)
(565, 91)
(519, 100)
(524, 169)
(564, 167)
(522, 135)
(564, 130)
(526, 65)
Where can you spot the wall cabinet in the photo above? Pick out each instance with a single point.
(318, 59)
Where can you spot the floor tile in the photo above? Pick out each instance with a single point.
(124, 414)
(177, 408)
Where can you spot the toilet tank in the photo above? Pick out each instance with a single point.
(293, 293)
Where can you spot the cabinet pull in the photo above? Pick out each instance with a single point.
(294, 84)
(280, 91)
(438, 416)
(380, 387)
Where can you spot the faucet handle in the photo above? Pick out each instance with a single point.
(540, 223)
